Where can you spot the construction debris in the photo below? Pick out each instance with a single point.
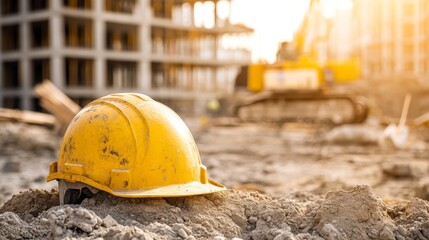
(25, 153)
(422, 190)
(398, 135)
(12, 115)
(354, 134)
(56, 102)
(398, 170)
(422, 119)
(18, 139)
(11, 167)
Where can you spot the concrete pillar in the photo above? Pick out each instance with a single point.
(385, 39)
(416, 38)
(144, 82)
(24, 62)
(144, 76)
(100, 67)
(1, 82)
(24, 69)
(398, 24)
(1, 67)
(57, 43)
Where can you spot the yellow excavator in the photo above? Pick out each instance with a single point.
(303, 85)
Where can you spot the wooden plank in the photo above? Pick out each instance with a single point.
(56, 102)
(13, 115)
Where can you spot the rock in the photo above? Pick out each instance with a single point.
(70, 218)
(141, 235)
(108, 221)
(425, 229)
(285, 236)
(330, 232)
(25, 184)
(354, 134)
(387, 234)
(13, 227)
(175, 210)
(11, 167)
(398, 170)
(87, 202)
(161, 229)
(182, 233)
(253, 220)
(219, 238)
(179, 227)
(39, 179)
(239, 219)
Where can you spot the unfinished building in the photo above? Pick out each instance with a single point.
(392, 38)
(171, 50)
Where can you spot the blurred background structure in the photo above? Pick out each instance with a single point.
(187, 52)
(393, 38)
(170, 49)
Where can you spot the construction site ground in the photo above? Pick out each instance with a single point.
(288, 181)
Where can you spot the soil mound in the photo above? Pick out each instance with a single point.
(31, 203)
(355, 214)
(27, 139)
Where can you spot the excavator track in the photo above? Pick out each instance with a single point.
(318, 106)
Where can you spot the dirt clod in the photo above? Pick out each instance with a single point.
(108, 221)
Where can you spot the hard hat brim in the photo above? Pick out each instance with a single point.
(190, 189)
(178, 190)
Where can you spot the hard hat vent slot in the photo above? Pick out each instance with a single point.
(203, 174)
(120, 179)
(53, 167)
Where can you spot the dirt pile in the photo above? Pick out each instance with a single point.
(25, 139)
(25, 154)
(355, 214)
(358, 214)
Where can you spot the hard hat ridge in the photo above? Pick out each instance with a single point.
(130, 146)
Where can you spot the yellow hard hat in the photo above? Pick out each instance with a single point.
(129, 146)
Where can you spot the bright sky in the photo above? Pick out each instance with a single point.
(272, 20)
(275, 21)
